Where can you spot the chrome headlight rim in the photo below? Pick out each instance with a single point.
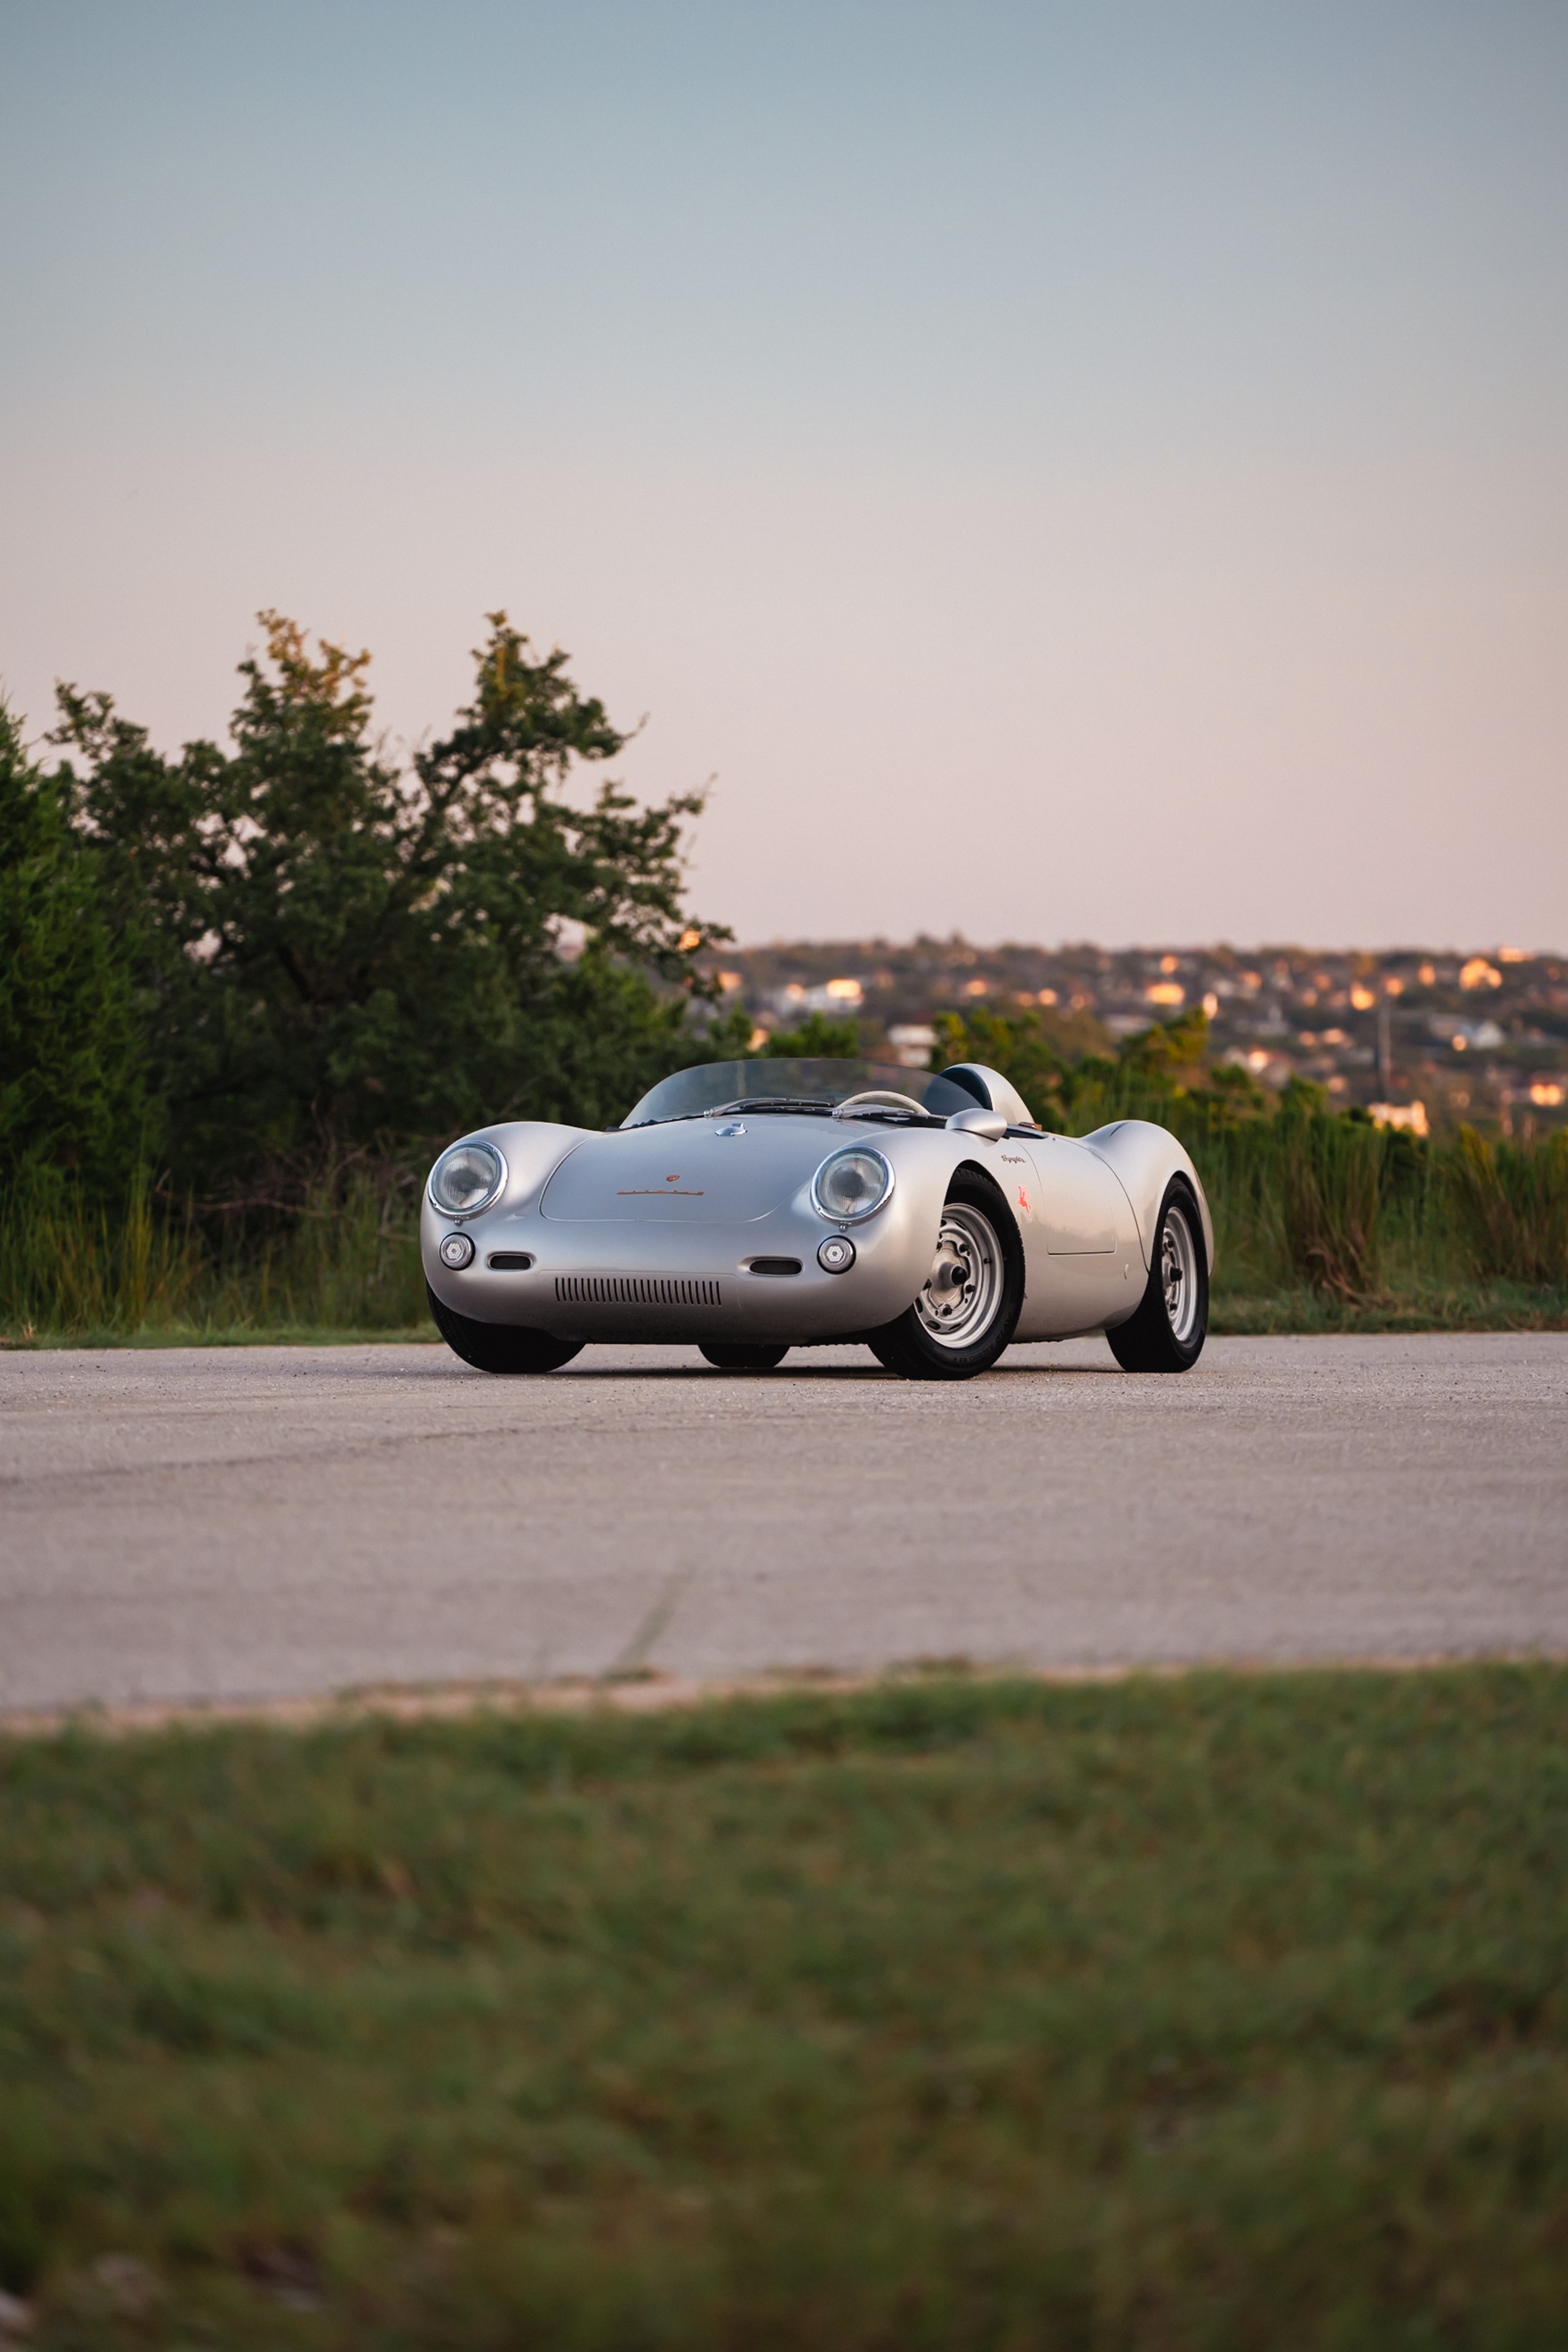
(853, 1216)
(476, 1208)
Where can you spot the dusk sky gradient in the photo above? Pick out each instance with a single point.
(1069, 472)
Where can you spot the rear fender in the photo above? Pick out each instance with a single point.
(1144, 1158)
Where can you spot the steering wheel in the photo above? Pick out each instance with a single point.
(878, 1099)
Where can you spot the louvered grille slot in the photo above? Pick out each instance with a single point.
(636, 1290)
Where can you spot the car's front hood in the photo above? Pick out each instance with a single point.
(691, 1171)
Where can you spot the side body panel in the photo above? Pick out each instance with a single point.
(1080, 1241)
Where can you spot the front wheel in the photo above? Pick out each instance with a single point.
(968, 1309)
(742, 1355)
(1171, 1323)
(499, 1347)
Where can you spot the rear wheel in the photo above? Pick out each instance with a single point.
(967, 1312)
(1168, 1331)
(499, 1347)
(742, 1355)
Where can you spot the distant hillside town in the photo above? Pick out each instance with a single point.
(1425, 1038)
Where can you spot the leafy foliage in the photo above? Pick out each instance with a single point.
(72, 1090)
(1162, 1073)
(345, 954)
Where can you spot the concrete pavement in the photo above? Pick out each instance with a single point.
(231, 1522)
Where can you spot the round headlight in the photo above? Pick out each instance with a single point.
(851, 1184)
(468, 1179)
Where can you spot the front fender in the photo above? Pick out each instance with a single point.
(532, 1149)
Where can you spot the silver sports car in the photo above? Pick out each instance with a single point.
(752, 1207)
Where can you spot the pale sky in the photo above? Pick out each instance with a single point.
(1069, 472)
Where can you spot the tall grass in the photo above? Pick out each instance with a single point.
(1301, 1199)
(1358, 1217)
(347, 1261)
(69, 1264)
(1512, 1206)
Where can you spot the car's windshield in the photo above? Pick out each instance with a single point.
(801, 1085)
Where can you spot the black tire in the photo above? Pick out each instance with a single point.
(1166, 1331)
(743, 1355)
(913, 1345)
(499, 1347)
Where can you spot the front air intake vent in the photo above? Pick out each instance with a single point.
(635, 1290)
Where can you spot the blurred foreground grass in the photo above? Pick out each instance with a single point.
(1210, 2012)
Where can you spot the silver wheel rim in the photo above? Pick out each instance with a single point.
(1178, 1274)
(964, 1286)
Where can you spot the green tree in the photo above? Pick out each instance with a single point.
(349, 954)
(1015, 1044)
(72, 1094)
(816, 1038)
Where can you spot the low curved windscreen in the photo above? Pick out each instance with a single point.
(805, 1085)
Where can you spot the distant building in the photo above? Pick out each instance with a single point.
(1269, 1070)
(912, 1042)
(1411, 1117)
(1469, 1036)
(831, 997)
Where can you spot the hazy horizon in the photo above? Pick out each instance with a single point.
(1071, 475)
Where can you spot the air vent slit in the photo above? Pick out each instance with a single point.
(636, 1290)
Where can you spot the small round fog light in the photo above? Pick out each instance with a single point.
(837, 1253)
(456, 1250)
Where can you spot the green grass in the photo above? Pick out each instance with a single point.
(1236, 1310)
(254, 1334)
(1214, 2012)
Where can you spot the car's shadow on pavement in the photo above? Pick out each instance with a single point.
(441, 1367)
(816, 1373)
